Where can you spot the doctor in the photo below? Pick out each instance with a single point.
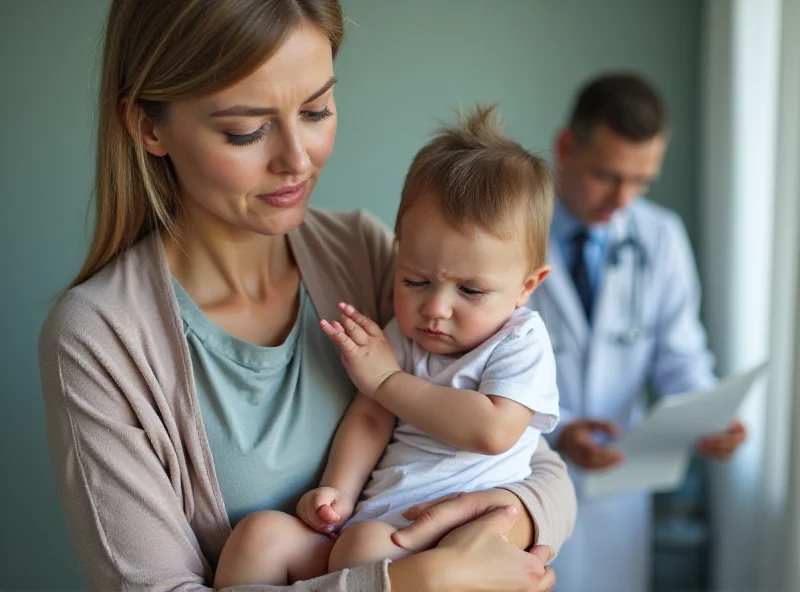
(622, 307)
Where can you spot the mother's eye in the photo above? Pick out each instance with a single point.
(246, 139)
(315, 116)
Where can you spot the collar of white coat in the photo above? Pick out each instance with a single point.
(565, 225)
(559, 283)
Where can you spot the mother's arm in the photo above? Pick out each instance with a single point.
(131, 519)
(549, 498)
(123, 487)
(546, 500)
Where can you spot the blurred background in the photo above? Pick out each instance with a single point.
(730, 73)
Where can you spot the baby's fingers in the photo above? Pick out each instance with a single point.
(354, 331)
(315, 521)
(338, 335)
(327, 515)
(312, 519)
(363, 321)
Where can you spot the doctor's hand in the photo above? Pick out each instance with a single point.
(721, 446)
(579, 443)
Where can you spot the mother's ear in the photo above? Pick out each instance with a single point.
(139, 125)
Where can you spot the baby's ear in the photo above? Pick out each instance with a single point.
(531, 282)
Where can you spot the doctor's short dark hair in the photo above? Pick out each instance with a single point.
(627, 103)
(482, 179)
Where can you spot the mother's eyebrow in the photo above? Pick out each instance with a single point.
(250, 111)
(322, 90)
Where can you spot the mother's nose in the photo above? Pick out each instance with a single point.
(290, 155)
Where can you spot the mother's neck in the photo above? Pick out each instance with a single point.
(214, 260)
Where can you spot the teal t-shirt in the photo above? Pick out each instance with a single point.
(270, 413)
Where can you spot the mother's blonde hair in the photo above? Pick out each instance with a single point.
(159, 51)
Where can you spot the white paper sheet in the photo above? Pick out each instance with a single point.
(657, 451)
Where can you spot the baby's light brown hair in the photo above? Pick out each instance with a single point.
(481, 178)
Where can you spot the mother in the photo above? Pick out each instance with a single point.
(186, 380)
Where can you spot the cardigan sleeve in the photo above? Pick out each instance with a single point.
(549, 496)
(115, 465)
(380, 247)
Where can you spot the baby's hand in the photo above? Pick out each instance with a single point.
(324, 509)
(367, 354)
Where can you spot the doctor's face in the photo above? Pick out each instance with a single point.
(607, 173)
(454, 290)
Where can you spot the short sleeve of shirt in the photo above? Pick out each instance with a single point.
(401, 344)
(522, 368)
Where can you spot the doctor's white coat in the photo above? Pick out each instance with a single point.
(602, 374)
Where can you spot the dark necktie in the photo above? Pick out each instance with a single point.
(580, 275)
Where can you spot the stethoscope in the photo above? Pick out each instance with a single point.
(635, 325)
(635, 330)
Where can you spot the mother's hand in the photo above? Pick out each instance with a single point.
(432, 521)
(477, 556)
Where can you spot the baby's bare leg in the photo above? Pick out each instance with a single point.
(272, 548)
(363, 543)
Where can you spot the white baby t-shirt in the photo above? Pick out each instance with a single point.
(516, 363)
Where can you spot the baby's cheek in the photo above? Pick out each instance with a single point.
(481, 327)
(404, 316)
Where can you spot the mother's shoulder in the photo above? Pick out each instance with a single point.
(346, 256)
(131, 287)
(344, 236)
(344, 226)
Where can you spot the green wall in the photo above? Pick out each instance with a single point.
(408, 63)
(402, 68)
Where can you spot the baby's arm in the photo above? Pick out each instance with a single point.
(466, 419)
(359, 442)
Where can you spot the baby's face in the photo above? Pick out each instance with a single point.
(453, 291)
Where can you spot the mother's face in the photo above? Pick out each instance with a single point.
(250, 155)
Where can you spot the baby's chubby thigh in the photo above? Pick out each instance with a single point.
(363, 543)
(271, 547)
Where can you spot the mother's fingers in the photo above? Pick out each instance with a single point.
(433, 521)
(545, 554)
(484, 562)
(497, 522)
(548, 580)
(414, 511)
